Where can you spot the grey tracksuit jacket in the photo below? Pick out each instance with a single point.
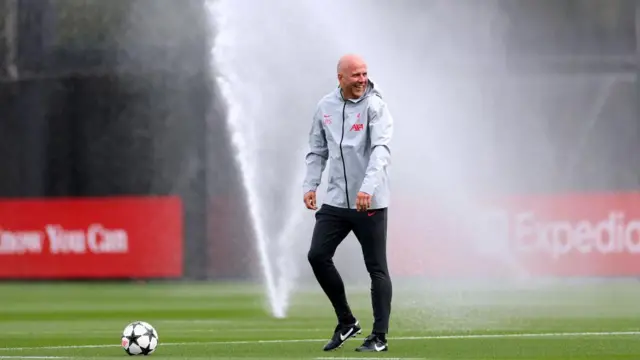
(354, 135)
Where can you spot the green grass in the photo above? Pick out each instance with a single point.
(227, 321)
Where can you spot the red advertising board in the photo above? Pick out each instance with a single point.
(119, 237)
(559, 235)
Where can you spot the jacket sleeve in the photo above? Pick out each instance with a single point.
(316, 158)
(380, 132)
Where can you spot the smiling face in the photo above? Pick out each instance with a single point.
(352, 76)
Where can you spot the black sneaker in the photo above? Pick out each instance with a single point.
(373, 343)
(341, 334)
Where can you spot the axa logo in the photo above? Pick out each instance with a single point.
(357, 126)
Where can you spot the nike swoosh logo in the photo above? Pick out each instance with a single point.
(343, 337)
(378, 348)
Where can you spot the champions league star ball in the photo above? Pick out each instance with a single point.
(139, 338)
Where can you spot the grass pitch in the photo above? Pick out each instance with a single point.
(225, 321)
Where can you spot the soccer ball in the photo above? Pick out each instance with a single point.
(139, 338)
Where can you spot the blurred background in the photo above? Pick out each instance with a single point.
(116, 98)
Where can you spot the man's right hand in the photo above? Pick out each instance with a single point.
(310, 200)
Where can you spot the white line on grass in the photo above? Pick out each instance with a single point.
(290, 341)
(35, 357)
(102, 331)
(366, 358)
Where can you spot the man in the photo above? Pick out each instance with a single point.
(352, 128)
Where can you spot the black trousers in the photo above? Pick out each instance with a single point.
(332, 226)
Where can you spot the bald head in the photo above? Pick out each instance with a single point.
(349, 61)
(352, 75)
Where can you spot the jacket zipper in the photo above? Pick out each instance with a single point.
(344, 167)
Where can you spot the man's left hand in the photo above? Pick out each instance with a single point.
(363, 201)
